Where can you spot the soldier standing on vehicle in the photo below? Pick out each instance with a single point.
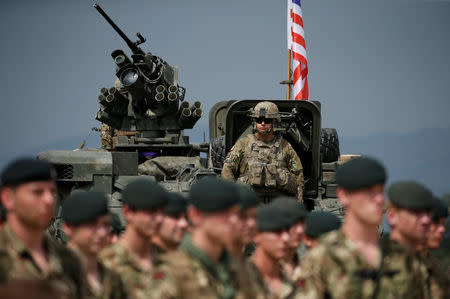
(350, 262)
(272, 246)
(265, 160)
(26, 253)
(131, 257)
(202, 268)
(174, 225)
(87, 224)
(298, 213)
(409, 212)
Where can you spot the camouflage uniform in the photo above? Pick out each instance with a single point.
(138, 281)
(288, 287)
(106, 136)
(435, 277)
(65, 274)
(335, 268)
(268, 167)
(112, 286)
(190, 273)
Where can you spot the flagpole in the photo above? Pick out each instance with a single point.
(288, 93)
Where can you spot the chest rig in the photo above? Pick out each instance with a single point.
(264, 165)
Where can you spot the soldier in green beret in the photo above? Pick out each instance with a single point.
(173, 226)
(317, 224)
(297, 212)
(241, 244)
(272, 247)
(350, 262)
(202, 268)
(87, 225)
(131, 257)
(410, 206)
(28, 194)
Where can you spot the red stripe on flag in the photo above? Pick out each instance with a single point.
(297, 19)
(297, 38)
(299, 57)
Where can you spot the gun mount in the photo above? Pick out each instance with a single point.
(147, 102)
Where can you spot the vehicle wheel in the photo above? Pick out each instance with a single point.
(218, 151)
(329, 145)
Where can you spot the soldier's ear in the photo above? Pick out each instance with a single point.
(67, 230)
(343, 198)
(194, 215)
(392, 216)
(7, 195)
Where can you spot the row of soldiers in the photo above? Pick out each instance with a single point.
(220, 242)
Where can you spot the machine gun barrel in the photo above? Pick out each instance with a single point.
(134, 48)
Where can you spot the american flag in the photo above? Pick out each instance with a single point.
(296, 43)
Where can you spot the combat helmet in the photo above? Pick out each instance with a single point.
(265, 109)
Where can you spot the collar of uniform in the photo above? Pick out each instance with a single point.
(125, 256)
(203, 258)
(271, 142)
(18, 247)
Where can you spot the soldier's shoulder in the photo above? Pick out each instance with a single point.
(177, 259)
(112, 255)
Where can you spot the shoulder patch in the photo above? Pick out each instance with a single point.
(158, 275)
(300, 283)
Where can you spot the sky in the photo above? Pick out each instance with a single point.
(378, 67)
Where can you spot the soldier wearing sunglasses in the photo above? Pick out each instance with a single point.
(264, 160)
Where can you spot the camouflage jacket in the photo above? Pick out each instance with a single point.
(436, 279)
(138, 281)
(112, 286)
(265, 166)
(65, 273)
(288, 287)
(190, 273)
(336, 269)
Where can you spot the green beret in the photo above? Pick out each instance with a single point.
(360, 173)
(144, 194)
(249, 198)
(212, 194)
(321, 222)
(84, 206)
(292, 207)
(271, 218)
(411, 196)
(176, 205)
(27, 170)
(439, 211)
(446, 199)
(116, 224)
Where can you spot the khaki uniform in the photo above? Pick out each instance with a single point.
(65, 273)
(270, 168)
(106, 136)
(336, 269)
(288, 287)
(112, 286)
(190, 273)
(138, 282)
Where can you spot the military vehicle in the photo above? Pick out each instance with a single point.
(143, 120)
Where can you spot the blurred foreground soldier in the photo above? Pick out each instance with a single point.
(87, 225)
(297, 212)
(26, 253)
(131, 256)
(264, 160)
(350, 263)
(443, 252)
(202, 268)
(319, 223)
(242, 243)
(173, 226)
(29, 289)
(409, 215)
(116, 229)
(272, 246)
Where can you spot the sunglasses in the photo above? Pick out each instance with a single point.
(259, 120)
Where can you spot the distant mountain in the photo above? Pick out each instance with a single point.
(422, 155)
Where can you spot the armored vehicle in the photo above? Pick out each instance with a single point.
(143, 119)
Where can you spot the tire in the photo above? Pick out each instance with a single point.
(329, 145)
(218, 151)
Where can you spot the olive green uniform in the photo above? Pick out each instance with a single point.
(190, 273)
(435, 277)
(270, 168)
(65, 274)
(335, 268)
(138, 281)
